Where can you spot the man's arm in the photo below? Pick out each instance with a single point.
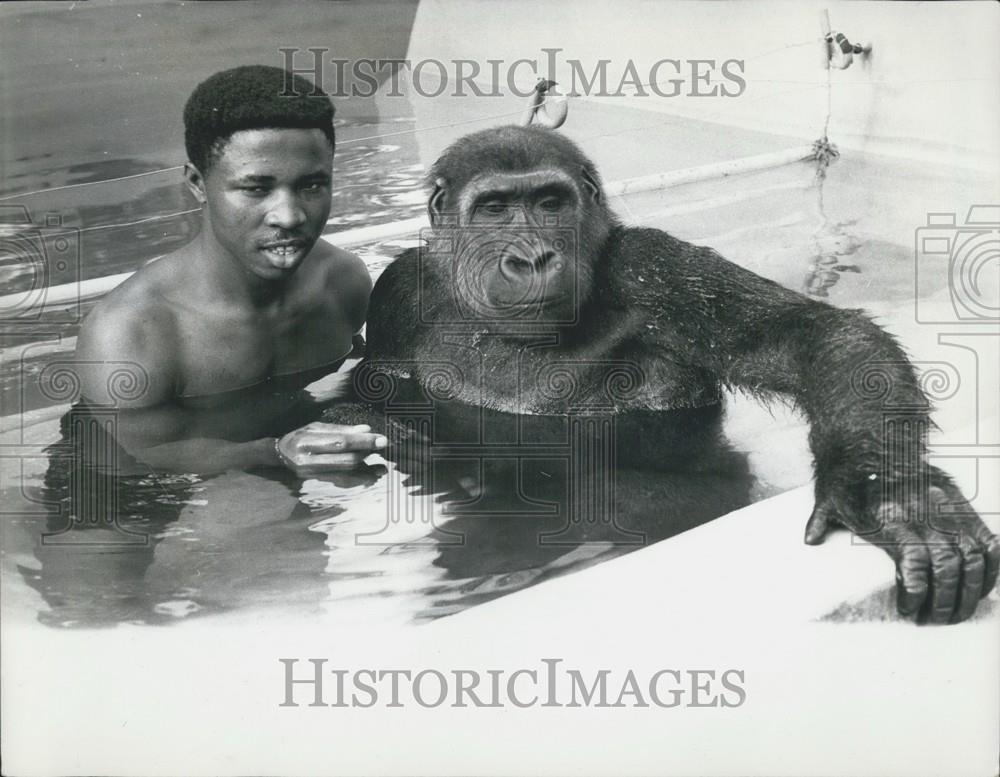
(129, 362)
(128, 359)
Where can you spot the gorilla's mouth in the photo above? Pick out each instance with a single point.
(527, 304)
(531, 302)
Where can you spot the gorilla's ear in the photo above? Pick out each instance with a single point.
(436, 201)
(591, 185)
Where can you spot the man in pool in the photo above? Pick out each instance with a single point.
(218, 340)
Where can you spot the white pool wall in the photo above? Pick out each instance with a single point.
(928, 91)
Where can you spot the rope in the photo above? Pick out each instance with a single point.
(140, 221)
(91, 183)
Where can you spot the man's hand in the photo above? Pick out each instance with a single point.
(320, 447)
(946, 558)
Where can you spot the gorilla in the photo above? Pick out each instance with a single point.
(530, 297)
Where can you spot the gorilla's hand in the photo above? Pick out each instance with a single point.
(946, 558)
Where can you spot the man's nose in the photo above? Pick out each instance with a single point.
(285, 212)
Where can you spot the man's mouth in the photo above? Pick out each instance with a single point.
(284, 253)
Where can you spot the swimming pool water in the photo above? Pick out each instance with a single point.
(404, 544)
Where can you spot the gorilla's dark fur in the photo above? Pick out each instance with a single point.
(679, 322)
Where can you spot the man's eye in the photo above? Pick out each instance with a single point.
(254, 189)
(315, 186)
(551, 204)
(493, 208)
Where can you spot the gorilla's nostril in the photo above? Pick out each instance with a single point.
(547, 258)
(516, 266)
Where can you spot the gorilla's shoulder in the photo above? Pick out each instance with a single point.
(392, 282)
(392, 304)
(642, 263)
(637, 247)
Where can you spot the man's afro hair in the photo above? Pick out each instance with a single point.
(250, 97)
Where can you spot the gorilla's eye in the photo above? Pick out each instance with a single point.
(492, 209)
(551, 204)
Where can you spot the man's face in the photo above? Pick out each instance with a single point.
(267, 198)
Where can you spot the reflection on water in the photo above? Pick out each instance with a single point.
(470, 505)
(99, 222)
(834, 244)
(381, 543)
(374, 183)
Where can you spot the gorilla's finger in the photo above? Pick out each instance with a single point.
(989, 543)
(818, 524)
(973, 571)
(911, 588)
(946, 568)
(991, 556)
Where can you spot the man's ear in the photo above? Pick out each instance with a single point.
(195, 182)
(591, 184)
(436, 201)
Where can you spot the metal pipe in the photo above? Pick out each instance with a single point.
(69, 294)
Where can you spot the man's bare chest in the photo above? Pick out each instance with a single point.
(224, 353)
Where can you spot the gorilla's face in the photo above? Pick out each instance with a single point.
(516, 252)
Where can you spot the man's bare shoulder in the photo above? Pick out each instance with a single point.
(138, 305)
(135, 324)
(340, 266)
(345, 278)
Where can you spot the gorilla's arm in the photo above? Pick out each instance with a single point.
(871, 476)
